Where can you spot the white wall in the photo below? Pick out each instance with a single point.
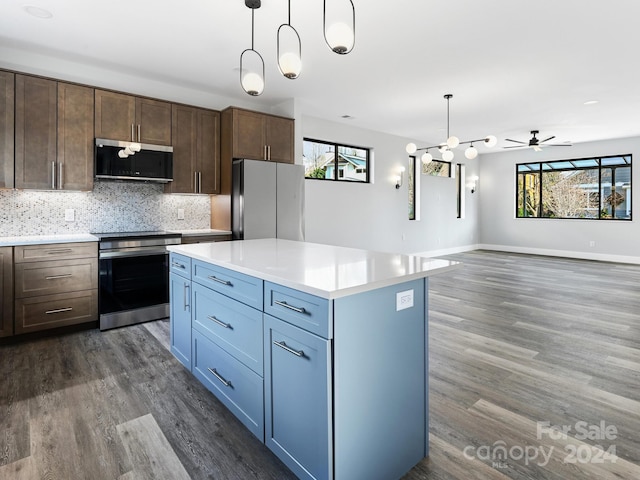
(500, 230)
(375, 215)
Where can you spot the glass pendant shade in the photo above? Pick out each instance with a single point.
(490, 141)
(340, 36)
(447, 156)
(411, 148)
(453, 141)
(253, 84)
(471, 152)
(290, 65)
(426, 158)
(289, 49)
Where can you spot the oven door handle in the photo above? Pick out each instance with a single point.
(134, 253)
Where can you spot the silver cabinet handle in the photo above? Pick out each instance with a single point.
(133, 135)
(219, 322)
(185, 296)
(195, 182)
(219, 280)
(139, 133)
(53, 175)
(264, 153)
(297, 353)
(55, 277)
(59, 251)
(290, 307)
(213, 371)
(199, 182)
(59, 310)
(178, 265)
(268, 152)
(60, 177)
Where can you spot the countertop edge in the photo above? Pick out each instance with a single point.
(15, 241)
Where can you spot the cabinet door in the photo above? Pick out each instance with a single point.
(6, 291)
(180, 318)
(75, 137)
(208, 150)
(280, 139)
(115, 115)
(35, 135)
(7, 109)
(298, 406)
(183, 131)
(249, 135)
(153, 121)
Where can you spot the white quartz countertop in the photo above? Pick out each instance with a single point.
(322, 270)
(46, 239)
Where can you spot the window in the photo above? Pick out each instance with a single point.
(437, 168)
(321, 162)
(589, 188)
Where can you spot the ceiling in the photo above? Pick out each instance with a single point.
(512, 66)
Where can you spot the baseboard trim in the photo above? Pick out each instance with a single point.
(602, 257)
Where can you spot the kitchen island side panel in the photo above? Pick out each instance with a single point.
(380, 384)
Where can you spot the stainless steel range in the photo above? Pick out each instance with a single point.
(134, 277)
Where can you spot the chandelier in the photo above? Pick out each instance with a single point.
(452, 142)
(339, 36)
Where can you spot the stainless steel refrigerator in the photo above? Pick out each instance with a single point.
(267, 200)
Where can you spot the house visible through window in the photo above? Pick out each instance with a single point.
(590, 188)
(351, 164)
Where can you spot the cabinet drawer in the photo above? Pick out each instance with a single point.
(241, 287)
(236, 386)
(48, 278)
(180, 264)
(55, 251)
(51, 311)
(235, 327)
(298, 308)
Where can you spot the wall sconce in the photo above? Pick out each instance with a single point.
(473, 183)
(399, 178)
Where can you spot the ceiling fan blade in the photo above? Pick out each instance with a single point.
(547, 139)
(515, 146)
(558, 145)
(516, 141)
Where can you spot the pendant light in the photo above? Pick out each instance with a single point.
(289, 62)
(339, 36)
(452, 142)
(252, 79)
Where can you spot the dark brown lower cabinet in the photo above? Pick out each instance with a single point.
(6, 291)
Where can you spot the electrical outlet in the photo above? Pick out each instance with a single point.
(404, 300)
(69, 215)
(181, 214)
(592, 243)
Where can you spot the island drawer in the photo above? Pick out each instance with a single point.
(180, 264)
(298, 308)
(241, 287)
(236, 386)
(235, 327)
(60, 276)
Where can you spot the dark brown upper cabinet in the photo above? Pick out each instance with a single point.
(53, 135)
(128, 118)
(7, 99)
(260, 136)
(196, 150)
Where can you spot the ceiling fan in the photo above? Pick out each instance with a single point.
(537, 144)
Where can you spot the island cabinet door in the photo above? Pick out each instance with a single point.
(180, 318)
(298, 405)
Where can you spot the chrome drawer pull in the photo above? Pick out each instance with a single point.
(222, 324)
(297, 353)
(55, 277)
(58, 252)
(219, 377)
(178, 265)
(290, 307)
(59, 310)
(216, 279)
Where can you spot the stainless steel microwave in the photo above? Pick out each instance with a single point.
(117, 160)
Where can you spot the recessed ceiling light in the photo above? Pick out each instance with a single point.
(37, 11)
(591, 102)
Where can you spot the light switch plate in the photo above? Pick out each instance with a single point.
(404, 300)
(69, 215)
(181, 214)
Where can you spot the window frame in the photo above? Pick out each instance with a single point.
(336, 169)
(599, 166)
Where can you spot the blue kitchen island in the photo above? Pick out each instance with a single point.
(320, 351)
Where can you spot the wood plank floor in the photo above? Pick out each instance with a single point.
(515, 341)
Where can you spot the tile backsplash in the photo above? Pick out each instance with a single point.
(110, 207)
